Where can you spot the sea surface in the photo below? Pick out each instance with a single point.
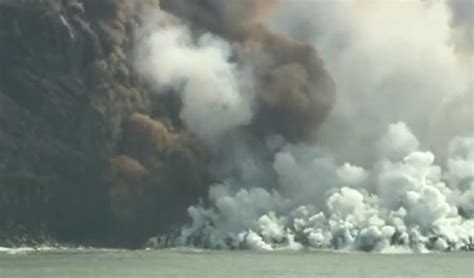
(52, 263)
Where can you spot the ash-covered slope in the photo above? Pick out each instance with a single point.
(83, 155)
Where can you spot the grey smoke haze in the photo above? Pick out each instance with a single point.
(462, 23)
(392, 61)
(390, 168)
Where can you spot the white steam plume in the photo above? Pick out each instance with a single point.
(401, 204)
(200, 71)
(393, 167)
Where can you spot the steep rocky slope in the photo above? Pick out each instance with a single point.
(83, 157)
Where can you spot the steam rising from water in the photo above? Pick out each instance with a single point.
(408, 202)
(393, 164)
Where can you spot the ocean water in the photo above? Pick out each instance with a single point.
(195, 263)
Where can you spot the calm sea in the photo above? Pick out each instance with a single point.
(195, 263)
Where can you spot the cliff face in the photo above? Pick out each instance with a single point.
(82, 154)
